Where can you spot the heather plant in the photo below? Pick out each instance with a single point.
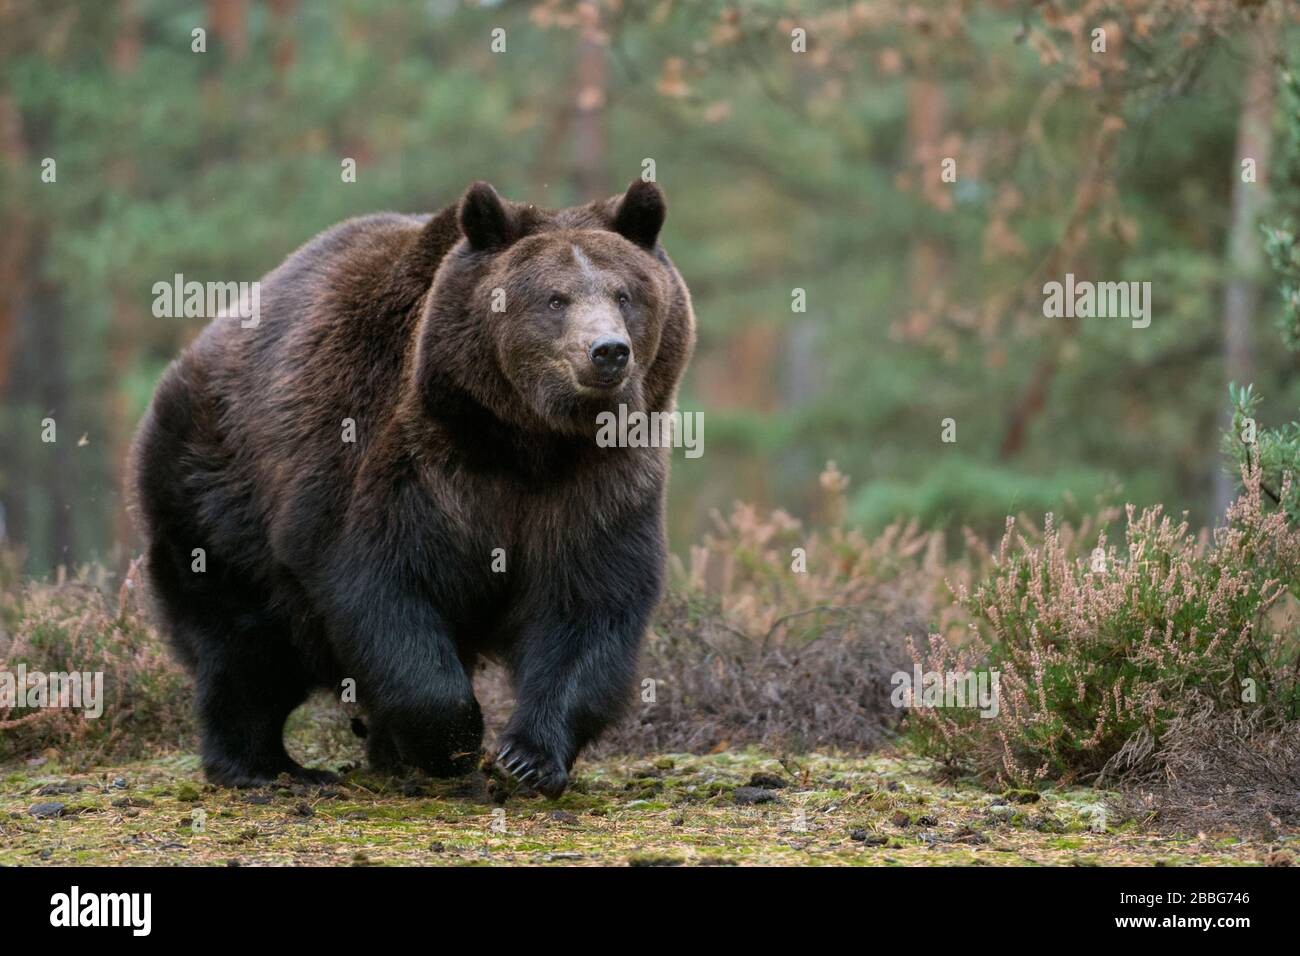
(772, 577)
(1096, 651)
(73, 624)
(1273, 452)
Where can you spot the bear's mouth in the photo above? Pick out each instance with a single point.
(600, 389)
(589, 384)
(566, 403)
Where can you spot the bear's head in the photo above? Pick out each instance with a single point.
(548, 317)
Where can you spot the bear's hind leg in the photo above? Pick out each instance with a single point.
(249, 681)
(381, 750)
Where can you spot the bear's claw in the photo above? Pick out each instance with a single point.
(521, 767)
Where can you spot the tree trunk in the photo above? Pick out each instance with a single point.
(19, 237)
(926, 109)
(15, 235)
(283, 13)
(227, 19)
(52, 393)
(126, 334)
(590, 178)
(1244, 255)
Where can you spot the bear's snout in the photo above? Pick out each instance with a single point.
(609, 356)
(598, 349)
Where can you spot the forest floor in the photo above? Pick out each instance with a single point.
(718, 810)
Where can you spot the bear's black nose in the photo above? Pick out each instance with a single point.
(609, 356)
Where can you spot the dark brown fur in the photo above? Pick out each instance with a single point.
(328, 560)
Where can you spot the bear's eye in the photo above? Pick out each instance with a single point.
(557, 302)
(624, 299)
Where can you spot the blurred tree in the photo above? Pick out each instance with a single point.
(798, 143)
(1245, 252)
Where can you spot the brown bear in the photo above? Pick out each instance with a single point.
(393, 474)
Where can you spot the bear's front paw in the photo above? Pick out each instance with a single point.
(532, 767)
(439, 736)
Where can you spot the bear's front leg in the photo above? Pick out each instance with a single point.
(410, 678)
(574, 668)
(572, 679)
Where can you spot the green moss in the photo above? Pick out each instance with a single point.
(690, 819)
(188, 792)
(1021, 796)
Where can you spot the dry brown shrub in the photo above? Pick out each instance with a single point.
(1236, 771)
(73, 625)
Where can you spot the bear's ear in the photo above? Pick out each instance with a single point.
(640, 214)
(485, 220)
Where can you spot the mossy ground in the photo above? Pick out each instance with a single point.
(887, 809)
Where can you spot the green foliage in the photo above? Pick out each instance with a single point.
(960, 491)
(1284, 253)
(1275, 452)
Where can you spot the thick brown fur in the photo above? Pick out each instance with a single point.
(474, 431)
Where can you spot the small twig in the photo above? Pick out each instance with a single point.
(789, 617)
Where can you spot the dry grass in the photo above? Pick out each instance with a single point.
(1235, 771)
